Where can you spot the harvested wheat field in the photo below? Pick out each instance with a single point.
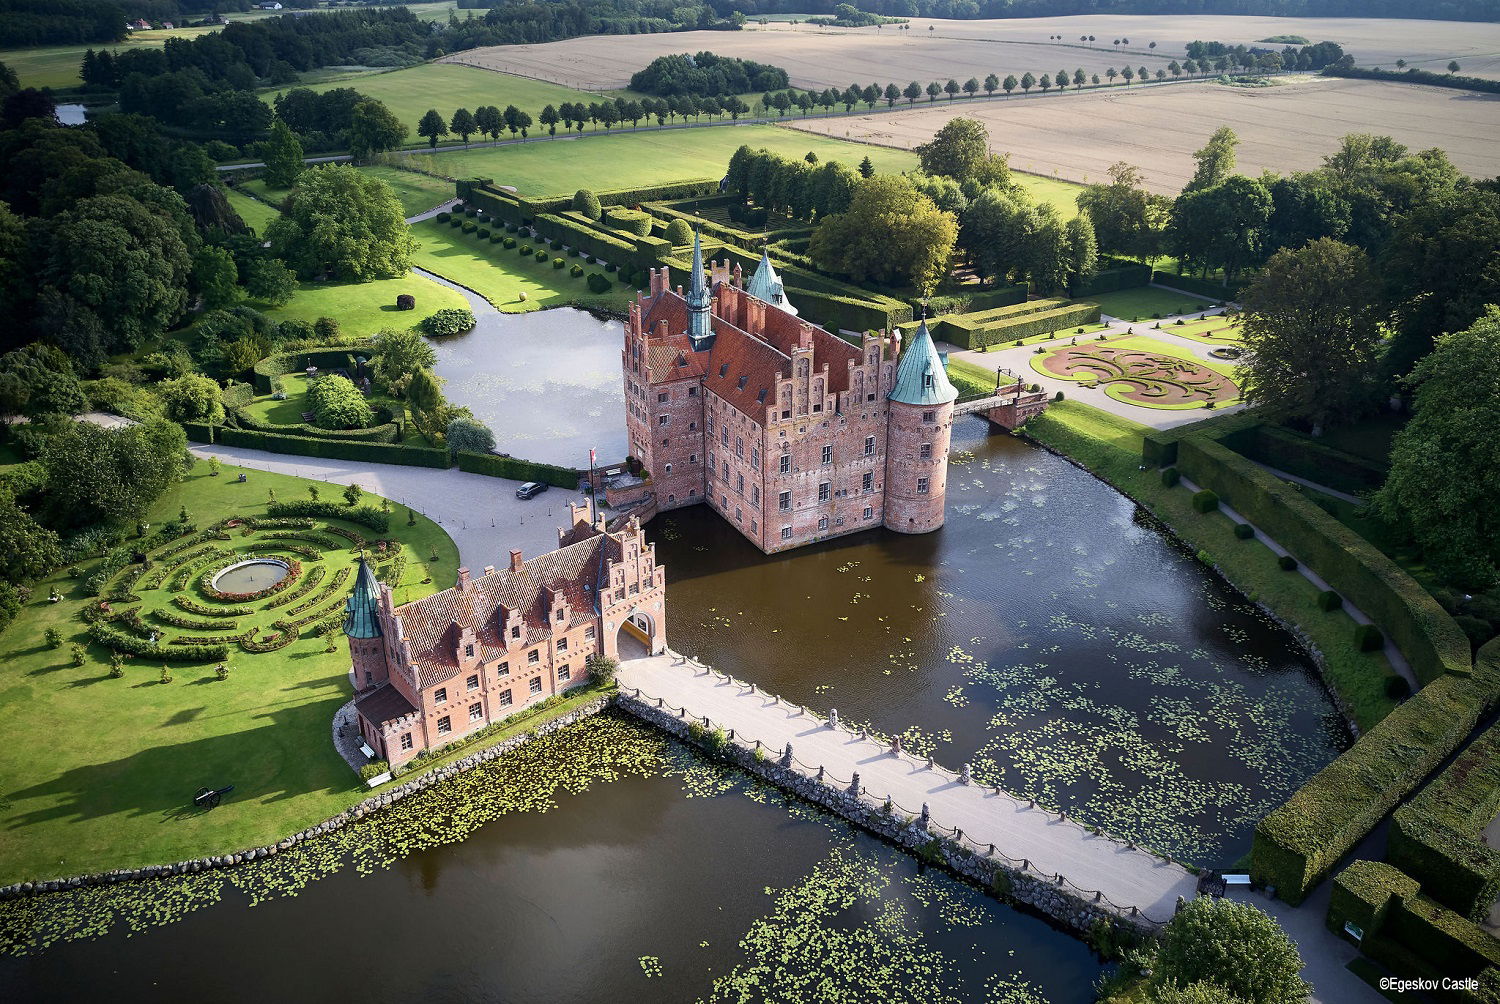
(1289, 127)
(827, 57)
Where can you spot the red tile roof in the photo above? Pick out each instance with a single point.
(736, 354)
(382, 704)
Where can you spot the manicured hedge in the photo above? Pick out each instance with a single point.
(283, 363)
(1409, 932)
(633, 221)
(129, 644)
(1205, 500)
(307, 446)
(1299, 843)
(834, 312)
(1351, 565)
(1121, 275)
(385, 432)
(1435, 837)
(1306, 457)
(516, 469)
(971, 302)
(237, 395)
(975, 331)
(1214, 289)
(364, 515)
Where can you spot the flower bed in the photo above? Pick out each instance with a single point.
(293, 570)
(308, 584)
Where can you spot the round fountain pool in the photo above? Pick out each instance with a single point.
(251, 576)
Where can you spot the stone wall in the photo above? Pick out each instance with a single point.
(1009, 881)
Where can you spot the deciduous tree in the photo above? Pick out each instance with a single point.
(345, 224)
(890, 233)
(1215, 160)
(1231, 945)
(373, 128)
(282, 154)
(338, 404)
(110, 476)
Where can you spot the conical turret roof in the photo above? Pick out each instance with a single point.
(766, 285)
(360, 620)
(920, 377)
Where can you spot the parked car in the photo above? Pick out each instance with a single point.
(531, 489)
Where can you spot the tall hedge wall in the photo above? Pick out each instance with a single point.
(307, 446)
(237, 395)
(1409, 932)
(520, 210)
(834, 312)
(962, 302)
(283, 363)
(1121, 275)
(977, 334)
(1351, 565)
(516, 469)
(1435, 837)
(1300, 842)
(1306, 457)
(384, 432)
(1214, 289)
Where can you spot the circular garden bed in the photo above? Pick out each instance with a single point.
(1140, 378)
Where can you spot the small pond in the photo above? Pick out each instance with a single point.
(250, 576)
(548, 383)
(71, 114)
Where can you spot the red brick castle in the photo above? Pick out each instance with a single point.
(788, 431)
(430, 671)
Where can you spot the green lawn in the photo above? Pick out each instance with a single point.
(417, 192)
(1111, 447)
(57, 66)
(981, 377)
(501, 276)
(1215, 330)
(409, 93)
(99, 772)
(252, 211)
(290, 410)
(638, 159)
(363, 308)
(1146, 302)
(1061, 194)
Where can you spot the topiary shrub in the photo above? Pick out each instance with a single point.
(576, 271)
(541, 256)
(1328, 601)
(588, 259)
(1367, 638)
(483, 233)
(497, 236)
(1205, 501)
(1287, 563)
(558, 263)
(679, 233)
(1396, 687)
(611, 267)
(525, 250)
(456, 221)
(598, 282)
(1244, 531)
(510, 242)
(1170, 476)
(510, 228)
(471, 212)
(572, 252)
(405, 301)
(1058, 396)
(631, 221)
(449, 321)
(444, 217)
(587, 203)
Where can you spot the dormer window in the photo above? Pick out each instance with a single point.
(743, 380)
(468, 651)
(559, 616)
(515, 631)
(724, 370)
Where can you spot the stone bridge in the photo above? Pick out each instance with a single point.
(1009, 406)
(1030, 854)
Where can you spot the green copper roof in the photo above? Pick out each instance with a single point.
(698, 302)
(920, 378)
(766, 285)
(359, 616)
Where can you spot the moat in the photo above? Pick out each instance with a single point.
(1047, 634)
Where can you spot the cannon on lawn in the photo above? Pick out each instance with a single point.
(208, 798)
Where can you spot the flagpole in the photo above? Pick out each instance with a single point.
(593, 489)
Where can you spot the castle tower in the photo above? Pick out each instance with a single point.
(766, 285)
(917, 438)
(699, 301)
(362, 628)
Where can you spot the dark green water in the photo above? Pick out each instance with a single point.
(1046, 634)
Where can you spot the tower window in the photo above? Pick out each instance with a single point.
(925, 451)
(786, 463)
(823, 523)
(786, 501)
(929, 416)
(869, 446)
(662, 397)
(476, 711)
(828, 454)
(868, 483)
(869, 513)
(440, 695)
(786, 533)
(921, 486)
(406, 740)
(823, 492)
(472, 683)
(445, 725)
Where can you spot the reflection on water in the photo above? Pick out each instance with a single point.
(663, 888)
(1045, 634)
(70, 114)
(547, 382)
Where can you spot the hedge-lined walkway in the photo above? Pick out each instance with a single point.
(480, 513)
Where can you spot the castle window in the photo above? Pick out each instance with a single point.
(786, 463)
(503, 669)
(823, 492)
(929, 416)
(515, 631)
(708, 423)
(723, 370)
(755, 494)
(472, 682)
(726, 472)
(761, 397)
(440, 695)
(635, 587)
(868, 483)
(786, 501)
(739, 483)
(476, 711)
(753, 527)
(723, 435)
(741, 385)
(869, 397)
(817, 408)
(921, 486)
(925, 451)
(823, 523)
(662, 397)
(559, 616)
(563, 672)
(692, 426)
(786, 414)
(786, 533)
(505, 699)
(663, 419)
(739, 447)
(827, 454)
(533, 657)
(468, 651)
(692, 392)
(692, 493)
(737, 517)
(406, 740)
(588, 633)
(671, 497)
(755, 456)
(536, 685)
(692, 458)
(869, 513)
(669, 468)
(445, 725)
(869, 446)
(562, 644)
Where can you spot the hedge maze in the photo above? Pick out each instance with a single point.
(1140, 378)
(163, 605)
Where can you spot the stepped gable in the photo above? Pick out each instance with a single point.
(434, 624)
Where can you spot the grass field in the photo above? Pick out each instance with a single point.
(501, 276)
(417, 192)
(100, 772)
(363, 308)
(1147, 302)
(631, 160)
(252, 211)
(409, 93)
(1210, 331)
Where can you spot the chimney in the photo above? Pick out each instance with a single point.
(464, 582)
(489, 569)
(515, 561)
